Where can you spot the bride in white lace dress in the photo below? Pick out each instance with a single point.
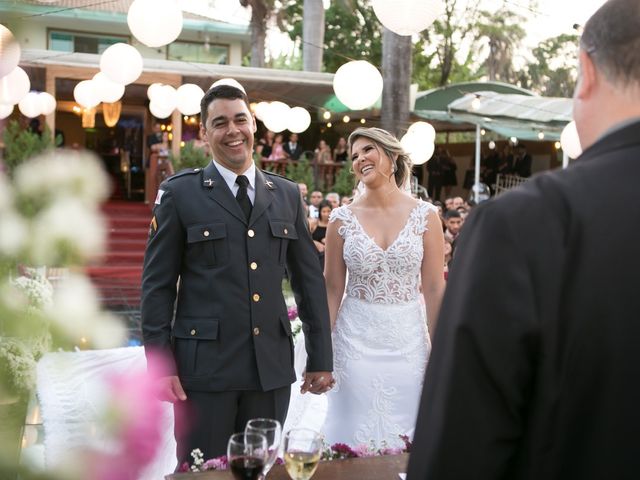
(391, 245)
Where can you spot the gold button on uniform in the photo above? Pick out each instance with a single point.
(286, 232)
(253, 265)
(193, 332)
(251, 233)
(256, 297)
(256, 331)
(206, 233)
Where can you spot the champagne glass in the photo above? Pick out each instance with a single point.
(302, 450)
(247, 454)
(272, 430)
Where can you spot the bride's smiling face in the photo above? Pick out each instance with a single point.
(369, 161)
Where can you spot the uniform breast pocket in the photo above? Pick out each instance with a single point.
(282, 233)
(208, 244)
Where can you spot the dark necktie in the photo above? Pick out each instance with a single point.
(242, 197)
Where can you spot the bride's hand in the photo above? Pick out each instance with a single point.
(317, 382)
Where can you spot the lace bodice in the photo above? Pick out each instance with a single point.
(377, 275)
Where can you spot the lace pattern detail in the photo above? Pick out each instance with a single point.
(377, 275)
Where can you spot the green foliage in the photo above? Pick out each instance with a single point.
(20, 144)
(301, 172)
(345, 180)
(553, 73)
(191, 156)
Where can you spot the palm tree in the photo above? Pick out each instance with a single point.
(396, 75)
(312, 35)
(260, 13)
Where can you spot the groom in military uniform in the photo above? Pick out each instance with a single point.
(219, 242)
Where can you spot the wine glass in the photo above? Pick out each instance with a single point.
(272, 430)
(302, 450)
(247, 454)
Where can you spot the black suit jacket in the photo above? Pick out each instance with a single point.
(295, 152)
(231, 330)
(535, 363)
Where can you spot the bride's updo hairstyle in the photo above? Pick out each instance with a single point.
(391, 147)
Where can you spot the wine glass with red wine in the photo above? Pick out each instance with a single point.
(247, 455)
(272, 430)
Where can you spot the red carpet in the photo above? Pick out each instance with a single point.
(118, 275)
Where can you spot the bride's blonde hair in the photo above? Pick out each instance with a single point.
(391, 147)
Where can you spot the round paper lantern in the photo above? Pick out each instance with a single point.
(276, 116)
(29, 106)
(122, 63)
(228, 81)
(47, 103)
(299, 120)
(108, 90)
(406, 17)
(153, 90)
(189, 96)
(570, 141)
(261, 109)
(85, 94)
(155, 22)
(424, 130)
(419, 148)
(160, 110)
(9, 51)
(357, 84)
(14, 86)
(5, 111)
(166, 97)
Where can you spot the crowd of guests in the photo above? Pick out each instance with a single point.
(273, 147)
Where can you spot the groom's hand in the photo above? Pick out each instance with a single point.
(317, 382)
(169, 389)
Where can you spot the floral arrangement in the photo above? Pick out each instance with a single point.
(296, 323)
(337, 451)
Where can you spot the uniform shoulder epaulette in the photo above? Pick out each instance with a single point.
(182, 173)
(266, 172)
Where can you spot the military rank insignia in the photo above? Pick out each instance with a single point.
(153, 226)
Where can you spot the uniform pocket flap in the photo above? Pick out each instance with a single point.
(286, 324)
(283, 230)
(202, 233)
(196, 328)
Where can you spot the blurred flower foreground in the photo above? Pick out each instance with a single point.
(50, 220)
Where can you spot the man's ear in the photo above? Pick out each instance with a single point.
(203, 131)
(255, 124)
(587, 78)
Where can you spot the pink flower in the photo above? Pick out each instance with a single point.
(364, 451)
(292, 312)
(391, 451)
(218, 463)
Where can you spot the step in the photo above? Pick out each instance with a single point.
(115, 244)
(129, 233)
(133, 258)
(129, 222)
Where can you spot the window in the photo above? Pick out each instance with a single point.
(198, 52)
(82, 42)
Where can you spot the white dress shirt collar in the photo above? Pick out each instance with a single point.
(230, 179)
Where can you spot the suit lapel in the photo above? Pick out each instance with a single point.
(219, 192)
(264, 195)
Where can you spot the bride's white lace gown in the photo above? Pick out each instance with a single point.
(381, 344)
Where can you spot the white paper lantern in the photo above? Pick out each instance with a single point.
(153, 90)
(419, 148)
(108, 90)
(122, 63)
(423, 130)
(228, 81)
(47, 103)
(570, 140)
(9, 51)
(189, 96)
(85, 94)
(407, 17)
(5, 111)
(29, 106)
(166, 97)
(14, 86)
(155, 22)
(160, 110)
(261, 109)
(276, 116)
(299, 120)
(357, 84)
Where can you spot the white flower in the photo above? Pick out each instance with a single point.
(38, 290)
(63, 172)
(13, 233)
(67, 228)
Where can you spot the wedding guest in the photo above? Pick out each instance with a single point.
(292, 148)
(323, 153)
(340, 153)
(453, 224)
(333, 198)
(277, 149)
(314, 202)
(535, 361)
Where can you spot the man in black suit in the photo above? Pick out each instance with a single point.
(523, 162)
(292, 148)
(219, 242)
(535, 363)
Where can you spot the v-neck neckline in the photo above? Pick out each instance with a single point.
(371, 239)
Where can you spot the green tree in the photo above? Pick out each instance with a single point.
(553, 72)
(21, 144)
(345, 180)
(301, 172)
(190, 157)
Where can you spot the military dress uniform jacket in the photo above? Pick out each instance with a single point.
(231, 329)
